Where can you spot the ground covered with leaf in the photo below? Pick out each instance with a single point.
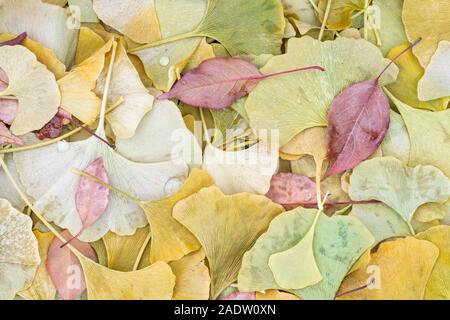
(224, 149)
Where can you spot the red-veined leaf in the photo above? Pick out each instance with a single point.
(219, 82)
(241, 296)
(358, 121)
(7, 137)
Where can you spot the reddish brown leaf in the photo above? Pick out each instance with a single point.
(290, 190)
(358, 121)
(55, 127)
(64, 268)
(219, 82)
(91, 198)
(357, 124)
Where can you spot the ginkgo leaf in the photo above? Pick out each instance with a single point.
(155, 282)
(42, 287)
(123, 251)
(432, 13)
(435, 83)
(162, 135)
(64, 268)
(382, 221)
(44, 23)
(403, 261)
(235, 222)
(44, 55)
(438, 285)
(311, 142)
(89, 42)
(32, 85)
(396, 143)
(136, 19)
(429, 135)
(430, 212)
(171, 240)
(192, 275)
(19, 254)
(302, 100)
(389, 24)
(338, 243)
(340, 12)
(164, 63)
(54, 187)
(77, 96)
(248, 170)
(400, 187)
(126, 83)
(405, 88)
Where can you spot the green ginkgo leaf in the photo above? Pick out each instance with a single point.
(429, 133)
(339, 242)
(296, 102)
(402, 188)
(396, 142)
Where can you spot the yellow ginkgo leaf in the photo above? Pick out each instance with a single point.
(431, 211)
(124, 251)
(45, 23)
(33, 85)
(400, 271)
(405, 88)
(44, 55)
(339, 12)
(192, 275)
(136, 19)
(42, 287)
(155, 282)
(89, 42)
(431, 24)
(226, 226)
(204, 52)
(170, 239)
(438, 287)
(19, 254)
(77, 96)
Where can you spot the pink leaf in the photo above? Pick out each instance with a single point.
(292, 190)
(241, 296)
(64, 268)
(15, 41)
(91, 198)
(8, 110)
(7, 137)
(358, 121)
(219, 82)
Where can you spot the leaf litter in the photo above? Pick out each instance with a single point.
(287, 150)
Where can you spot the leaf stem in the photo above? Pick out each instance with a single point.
(356, 289)
(398, 56)
(30, 205)
(141, 251)
(15, 41)
(276, 74)
(178, 37)
(108, 186)
(101, 124)
(332, 203)
(60, 138)
(325, 19)
(205, 127)
(314, 5)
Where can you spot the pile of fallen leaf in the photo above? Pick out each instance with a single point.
(224, 149)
